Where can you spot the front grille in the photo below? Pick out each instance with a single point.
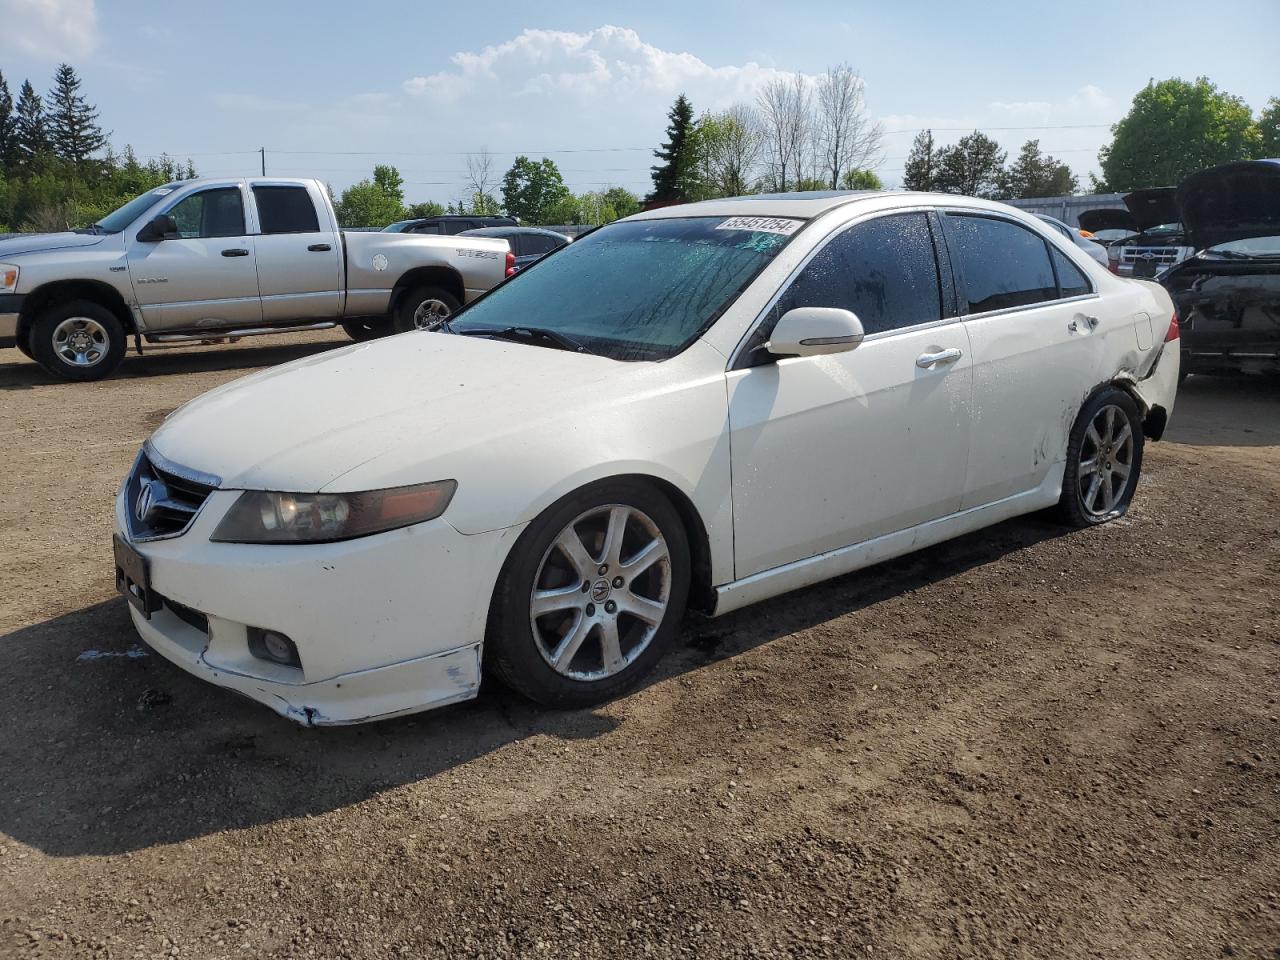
(162, 498)
(187, 615)
(1160, 256)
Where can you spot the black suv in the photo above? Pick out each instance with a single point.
(448, 224)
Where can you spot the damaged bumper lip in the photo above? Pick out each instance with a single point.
(414, 685)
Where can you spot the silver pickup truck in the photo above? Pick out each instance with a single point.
(225, 258)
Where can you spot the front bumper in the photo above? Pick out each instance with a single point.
(384, 625)
(10, 310)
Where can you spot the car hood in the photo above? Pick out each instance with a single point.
(44, 242)
(1111, 218)
(1234, 201)
(1152, 207)
(386, 406)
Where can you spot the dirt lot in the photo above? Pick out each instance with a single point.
(1025, 743)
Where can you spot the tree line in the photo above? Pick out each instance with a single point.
(57, 168)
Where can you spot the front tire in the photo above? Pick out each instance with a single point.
(1104, 460)
(424, 308)
(591, 597)
(78, 340)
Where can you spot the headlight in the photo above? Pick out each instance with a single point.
(8, 278)
(262, 516)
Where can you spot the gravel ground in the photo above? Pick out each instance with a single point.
(1024, 743)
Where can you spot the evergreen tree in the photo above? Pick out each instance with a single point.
(679, 163)
(1035, 174)
(30, 127)
(973, 167)
(921, 171)
(73, 129)
(7, 145)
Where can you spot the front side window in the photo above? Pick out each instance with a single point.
(1004, 265)
(433, 228)
(285, 210)
(637, 290)
(884, 270)
(210, 213)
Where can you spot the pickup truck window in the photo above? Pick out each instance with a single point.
(286, 210)
(210, 213)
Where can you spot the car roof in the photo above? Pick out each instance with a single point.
(810, 204)
(508, 231)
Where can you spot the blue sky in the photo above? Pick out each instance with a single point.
(331, 88)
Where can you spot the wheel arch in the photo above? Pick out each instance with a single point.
(446, 278)
(60, 291)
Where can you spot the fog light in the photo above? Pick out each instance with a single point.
(273, 646)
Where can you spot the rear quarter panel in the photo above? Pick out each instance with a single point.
(376, 261)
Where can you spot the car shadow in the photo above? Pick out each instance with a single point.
(1239, 411)
(165, 360)
(110, 748)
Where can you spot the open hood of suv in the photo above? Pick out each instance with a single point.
(1152, 207)
(1234, 201)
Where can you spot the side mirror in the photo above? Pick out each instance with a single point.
(812, 331)
(163, 227)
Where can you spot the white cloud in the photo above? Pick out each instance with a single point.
(48, 29)
(599, 65)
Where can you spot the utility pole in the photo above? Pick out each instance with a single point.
(263, 151)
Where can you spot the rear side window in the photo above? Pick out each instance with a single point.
(535, 244)
(286, 210)
(1071, 279)
(1004, 265)
(426, 228)
(884, 270)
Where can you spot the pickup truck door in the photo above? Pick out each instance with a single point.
(206, 276)
(299, 261)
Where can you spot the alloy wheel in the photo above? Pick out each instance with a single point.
(1106, 460)
(601, 592)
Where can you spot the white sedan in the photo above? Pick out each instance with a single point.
(703, 405)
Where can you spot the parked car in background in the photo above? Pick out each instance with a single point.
(448, 224)
(1228, 293)
(711, 403)
(1095, 250)
(527, 243)
(214, 258)
(1156, 241)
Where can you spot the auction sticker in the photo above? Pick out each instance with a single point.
(782, 225)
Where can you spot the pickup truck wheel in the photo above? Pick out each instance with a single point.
(424, 308)
(78, 340)
(367, 328)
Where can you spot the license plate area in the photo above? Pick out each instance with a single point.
(133, 578)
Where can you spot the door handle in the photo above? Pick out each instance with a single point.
(927, 360)
(319, 248)
(1090, 322)
(235, 252)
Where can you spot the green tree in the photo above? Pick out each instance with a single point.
(373, 203)
(418, 211)
(566, 210)
(973, 167)
(531, 189)
(30, 127)
(73, 123)
(1269, 129)
(921, 170)
(1035, 174)
(622, 200)
(7, 145)
(725, 146)
(1174, 128)
(860, 180)
(485, 205)
(676, 174)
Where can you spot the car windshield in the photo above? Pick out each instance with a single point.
(637, 290)
(1252, 247)
(121, 217)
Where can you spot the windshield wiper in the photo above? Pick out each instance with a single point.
(528, 335)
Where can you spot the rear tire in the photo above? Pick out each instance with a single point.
(1104, 460)
(367, 328)
(424, 308)
(579, 624)
(78, 340)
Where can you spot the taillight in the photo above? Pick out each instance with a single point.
(1174, 331)
(511, 264)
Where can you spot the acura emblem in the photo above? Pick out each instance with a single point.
(150, 492)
